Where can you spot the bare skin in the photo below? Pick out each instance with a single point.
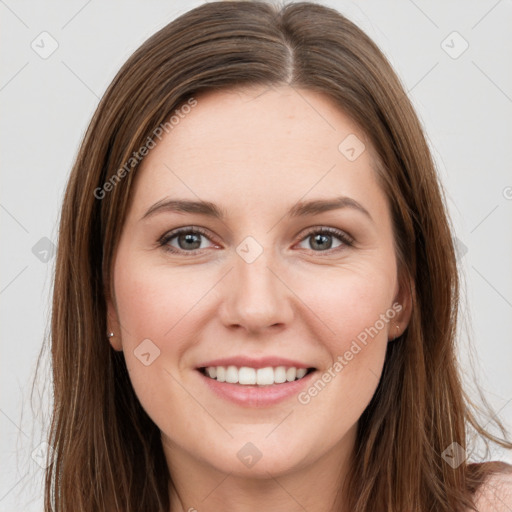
(255, 153)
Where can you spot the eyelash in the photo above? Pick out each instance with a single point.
(167, 237)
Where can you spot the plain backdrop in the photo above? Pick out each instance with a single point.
(453, 59)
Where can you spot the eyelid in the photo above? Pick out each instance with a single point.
(340, 233)
(343, 236)
(169, 235)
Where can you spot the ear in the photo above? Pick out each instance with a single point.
(402, 305)
(113, 326)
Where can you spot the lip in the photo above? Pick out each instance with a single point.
(257, 396)
(263, 362)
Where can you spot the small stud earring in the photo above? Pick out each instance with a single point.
(110, 334)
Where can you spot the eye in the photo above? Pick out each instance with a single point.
(321, 239)
(188, 240)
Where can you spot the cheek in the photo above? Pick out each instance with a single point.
(357, 307)
(153, 299)
(156, 303)
(351, 300)
(161, 303)
(356, 304)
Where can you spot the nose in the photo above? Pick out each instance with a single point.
(256, 295)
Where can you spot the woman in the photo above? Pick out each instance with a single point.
(256, 290)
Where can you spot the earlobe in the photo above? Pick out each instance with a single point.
(113, 333)
(403, 297)
(115, 341)
(394, 333)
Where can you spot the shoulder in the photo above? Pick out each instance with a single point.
(495, 493)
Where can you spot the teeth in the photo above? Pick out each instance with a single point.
(246, 375)
(232, 375)
(252, 376)
(221, 374)
(301, 372)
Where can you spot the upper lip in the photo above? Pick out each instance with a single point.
(251, 362)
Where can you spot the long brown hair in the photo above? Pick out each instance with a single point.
(108, 453)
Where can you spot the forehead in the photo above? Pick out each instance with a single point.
(278, 118)
(270, 142)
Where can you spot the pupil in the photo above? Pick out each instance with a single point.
(189, 238)
(323, 239)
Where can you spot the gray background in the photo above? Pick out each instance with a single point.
(464, 101)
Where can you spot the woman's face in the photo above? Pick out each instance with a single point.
(272, 283)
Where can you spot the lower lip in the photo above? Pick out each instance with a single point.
(257, 396)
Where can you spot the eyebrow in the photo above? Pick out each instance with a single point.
(300, 209)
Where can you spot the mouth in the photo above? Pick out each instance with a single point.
(255, 377)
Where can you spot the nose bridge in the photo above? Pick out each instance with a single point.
(258, 299)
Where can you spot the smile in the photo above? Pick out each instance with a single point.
(256, 387)
(247, 376)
